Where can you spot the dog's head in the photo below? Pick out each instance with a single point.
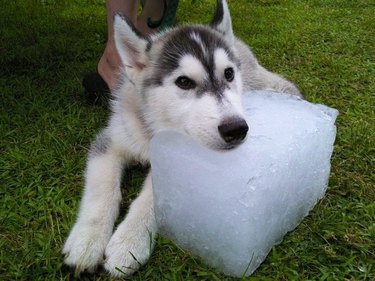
(189, 78)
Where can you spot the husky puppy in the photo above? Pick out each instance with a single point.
(188, 79)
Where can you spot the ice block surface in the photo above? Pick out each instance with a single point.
(231, 207)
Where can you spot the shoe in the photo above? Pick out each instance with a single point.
(94, 85)
(168, 17)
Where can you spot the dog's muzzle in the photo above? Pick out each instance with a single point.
(233, 130)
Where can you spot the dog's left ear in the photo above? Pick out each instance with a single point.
(222, 21)
(131, 45)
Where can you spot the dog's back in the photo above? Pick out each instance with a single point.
(256, 77)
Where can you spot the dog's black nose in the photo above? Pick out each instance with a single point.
(233, 129)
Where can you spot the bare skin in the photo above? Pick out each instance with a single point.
(109, 64)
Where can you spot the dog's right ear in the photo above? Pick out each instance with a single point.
(130, 43)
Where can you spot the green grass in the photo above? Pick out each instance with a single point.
(325, 46)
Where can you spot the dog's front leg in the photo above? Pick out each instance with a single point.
(132, 242)
(99, 209)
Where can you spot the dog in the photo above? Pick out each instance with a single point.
(187, 79)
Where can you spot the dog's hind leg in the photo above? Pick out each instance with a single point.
(99, 207)
(132, 242)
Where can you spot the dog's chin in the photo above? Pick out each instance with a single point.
(217, 143)
(223, 146)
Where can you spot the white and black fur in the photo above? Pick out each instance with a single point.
(188, 79)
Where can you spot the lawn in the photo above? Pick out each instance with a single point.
(327, 47)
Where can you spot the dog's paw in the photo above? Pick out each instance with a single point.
(84, 247)
(127, 251)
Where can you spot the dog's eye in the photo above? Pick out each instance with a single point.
(185, 83)
(229, 74)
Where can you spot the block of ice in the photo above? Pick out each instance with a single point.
(231, 207)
